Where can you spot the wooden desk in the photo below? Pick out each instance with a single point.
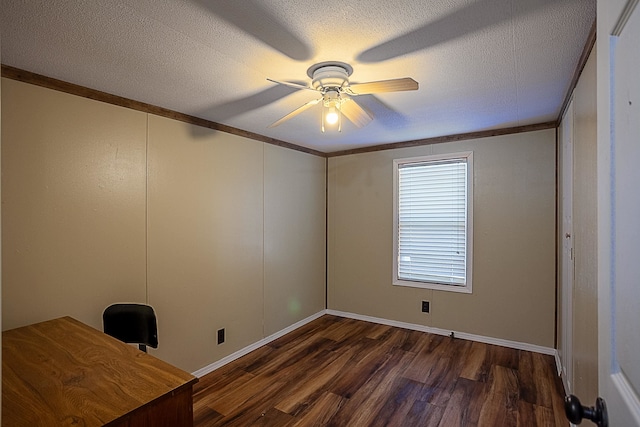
(63, 372)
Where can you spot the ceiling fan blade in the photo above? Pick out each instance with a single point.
(355, 113)
(295, 112)
(294, 85)
(394, 85)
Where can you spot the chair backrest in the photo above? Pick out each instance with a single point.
(132, 323)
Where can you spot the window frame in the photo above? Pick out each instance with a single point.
(467, 156)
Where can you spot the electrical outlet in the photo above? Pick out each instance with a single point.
(425, 306)
(220, 336)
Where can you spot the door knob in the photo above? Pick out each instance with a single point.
(576, 412)
(567, 235)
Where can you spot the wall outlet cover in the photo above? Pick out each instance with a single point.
(425, 306)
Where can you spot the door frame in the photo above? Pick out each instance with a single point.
(567, 261)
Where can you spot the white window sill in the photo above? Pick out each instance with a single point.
(435, 286)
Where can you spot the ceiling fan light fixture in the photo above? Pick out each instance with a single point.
(331, 113)
(331, 80)
(332, 116)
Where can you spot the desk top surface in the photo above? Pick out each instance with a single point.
(63, 372)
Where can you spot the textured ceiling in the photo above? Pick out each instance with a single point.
(481, 65)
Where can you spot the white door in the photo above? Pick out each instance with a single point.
(567, 263)
(619, 210)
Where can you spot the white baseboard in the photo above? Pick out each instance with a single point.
(248, 349)
(562, 374)
(412, 326)
(558, 363)
(463, 335)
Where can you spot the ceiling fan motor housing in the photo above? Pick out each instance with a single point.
(330, 75)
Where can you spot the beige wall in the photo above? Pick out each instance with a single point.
(205, 239)
(294, 236)
(73, 205)
(104, 204)
(514, 245)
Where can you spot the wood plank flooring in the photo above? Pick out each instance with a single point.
(343, 372)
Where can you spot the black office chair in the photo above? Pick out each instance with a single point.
(132, 323)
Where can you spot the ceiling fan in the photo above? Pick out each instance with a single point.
(331, 79)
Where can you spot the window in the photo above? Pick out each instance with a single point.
(433, 222)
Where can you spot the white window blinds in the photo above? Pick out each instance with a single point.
(432, 221)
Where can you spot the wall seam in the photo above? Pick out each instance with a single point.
(326, 233)
(557, 249)
(146, 214)
(264, 252)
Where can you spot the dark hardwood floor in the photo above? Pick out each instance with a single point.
(343, 372)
